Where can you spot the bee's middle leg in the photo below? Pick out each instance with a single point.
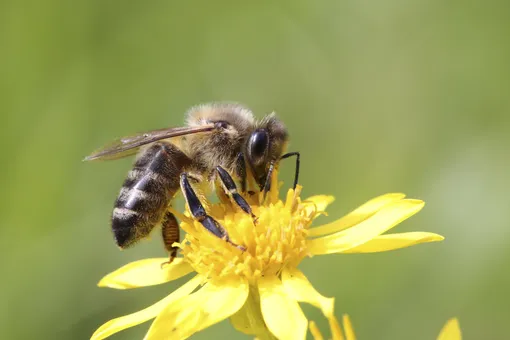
(198, 211)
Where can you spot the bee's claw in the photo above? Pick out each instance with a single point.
(170, 260)
(227, 239)
(240, 247)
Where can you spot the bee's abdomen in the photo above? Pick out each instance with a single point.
(146, 192)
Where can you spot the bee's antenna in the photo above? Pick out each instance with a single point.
(296, 174)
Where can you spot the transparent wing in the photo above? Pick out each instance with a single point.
(129, 145)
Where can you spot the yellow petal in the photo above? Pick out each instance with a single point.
(211, 304)
(282, 314)
(349, 331)
(450, 331)
(316, 333)
(395, 241)
(297, 286)
(383, 220)
(317, 204)
(119, 324)
(146, 272)
(356, 216)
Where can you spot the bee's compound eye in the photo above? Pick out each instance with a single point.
(258, 144)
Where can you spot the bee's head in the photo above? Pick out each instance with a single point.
(264, 146)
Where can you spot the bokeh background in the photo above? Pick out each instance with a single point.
(379, 96)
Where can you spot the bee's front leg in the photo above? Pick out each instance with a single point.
(241, 171)
(230, 188)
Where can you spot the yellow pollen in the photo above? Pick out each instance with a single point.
(277, 239)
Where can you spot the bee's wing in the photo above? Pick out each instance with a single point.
(129, 145)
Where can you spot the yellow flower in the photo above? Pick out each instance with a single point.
(450, 331)
(258, 287)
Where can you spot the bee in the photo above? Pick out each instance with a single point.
(222, 144)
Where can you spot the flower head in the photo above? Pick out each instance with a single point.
(258, 285)
(276, 240)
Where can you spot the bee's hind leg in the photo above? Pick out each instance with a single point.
(230, 189)
(170, 233)
(198, 211)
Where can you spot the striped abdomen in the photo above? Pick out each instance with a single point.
(146, 192)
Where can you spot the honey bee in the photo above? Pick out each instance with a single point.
(222, 144)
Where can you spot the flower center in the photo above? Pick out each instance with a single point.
(275, 240)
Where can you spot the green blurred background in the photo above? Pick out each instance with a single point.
(379, 96)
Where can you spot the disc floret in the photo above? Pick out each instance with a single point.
(276, 239)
